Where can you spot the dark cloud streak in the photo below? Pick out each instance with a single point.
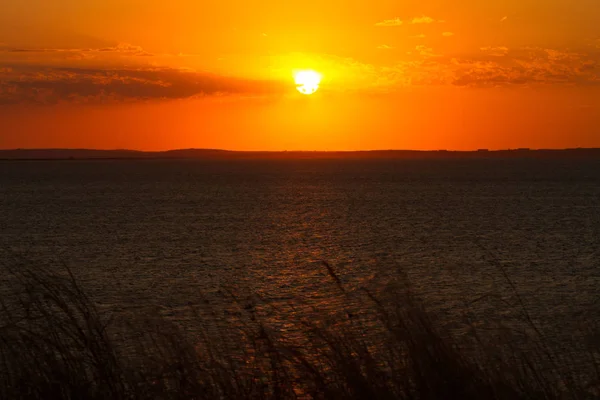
(44, 85)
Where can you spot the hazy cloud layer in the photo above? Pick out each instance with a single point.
(487, 67)
(47, 85)
(500, 66)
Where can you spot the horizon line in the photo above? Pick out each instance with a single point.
(295, 151)
(65, 154)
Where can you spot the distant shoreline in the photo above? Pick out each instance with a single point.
(211, 154)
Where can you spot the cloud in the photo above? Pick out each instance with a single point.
(46, 85)
(503, 18)
(447, 34)
(557, 55)
(490, 66)
(422, 20)
(121, 48)
(527, 66)
(113, 56)
(524, 66)
(419, 36)
(521, 67)
(499, 51)
(425, 51)
(126, 48)
(390, 22)
(416, 20)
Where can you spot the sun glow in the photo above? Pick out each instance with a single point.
(307, 81)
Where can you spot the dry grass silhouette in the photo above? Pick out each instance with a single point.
(55, 344)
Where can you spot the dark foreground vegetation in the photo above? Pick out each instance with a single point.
(56, 344)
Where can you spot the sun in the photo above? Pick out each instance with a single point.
(307, 81)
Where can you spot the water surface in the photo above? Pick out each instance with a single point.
(159, 233)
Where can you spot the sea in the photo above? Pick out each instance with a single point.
(483, 235)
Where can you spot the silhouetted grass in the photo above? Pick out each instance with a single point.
(56, 344)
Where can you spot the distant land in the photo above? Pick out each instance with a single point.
(213, 154)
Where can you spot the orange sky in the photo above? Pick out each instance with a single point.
(426, 74)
